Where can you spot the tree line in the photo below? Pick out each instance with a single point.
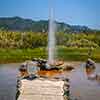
(15, 39)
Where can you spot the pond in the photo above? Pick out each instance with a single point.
(80, 87)
(8, 76)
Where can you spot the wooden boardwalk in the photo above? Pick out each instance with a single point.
(42, 89)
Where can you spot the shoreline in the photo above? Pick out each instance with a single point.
(67, 62)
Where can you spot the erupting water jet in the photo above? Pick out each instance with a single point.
(51, 37)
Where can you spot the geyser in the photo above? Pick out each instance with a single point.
(51, 36)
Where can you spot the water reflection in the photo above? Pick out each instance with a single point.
(98, 78)
(92, 74)
(83, 88)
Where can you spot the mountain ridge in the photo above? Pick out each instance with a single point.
(22, 24)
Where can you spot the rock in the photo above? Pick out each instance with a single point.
(68, 67)
(28, 68)
(44, 89)
(90, 64)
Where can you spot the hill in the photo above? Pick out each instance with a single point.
(21, 24)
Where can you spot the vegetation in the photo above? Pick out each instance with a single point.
(64, 53)
(10, 39)
(19, 46)
(21, 24)
(78, 54)
(73, 43)
(19, 55)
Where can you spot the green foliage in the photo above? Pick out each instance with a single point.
(64, 53)
(10, 39)
(78, 40)
(19, 55)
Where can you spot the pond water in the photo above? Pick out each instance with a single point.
(8, 76)
(81, 88)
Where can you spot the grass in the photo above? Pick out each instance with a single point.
(19, 55)
(64, 53)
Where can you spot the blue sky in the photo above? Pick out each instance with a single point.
(77, 12)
